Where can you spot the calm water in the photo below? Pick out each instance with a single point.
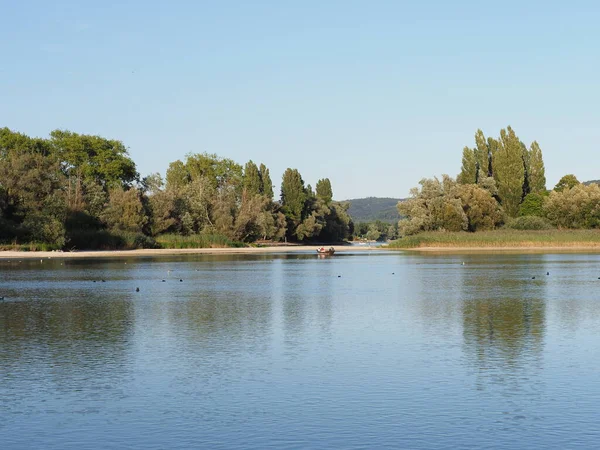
(379, 350)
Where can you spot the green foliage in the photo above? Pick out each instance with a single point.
(509, 171)
(93, 157)
(202, 240)
(501, 239)
(266, 183)
(529, 223)
(324, 191)
(125, 211)
(482, 154)
(108, 240)
(533, 205)
(293, 197)
(468, 171)
(537, 172)
(446, 205)
(374, 208)
(566, 182)
(575, 207)
(252, 183)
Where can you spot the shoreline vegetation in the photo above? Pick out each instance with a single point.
(500, 240)
(81, 192)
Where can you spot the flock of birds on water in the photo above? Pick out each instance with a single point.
(137, 289)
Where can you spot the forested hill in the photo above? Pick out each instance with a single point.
(373, 208)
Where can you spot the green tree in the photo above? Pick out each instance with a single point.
(566, 182)
(575, 207)
(482, 155)
(293, 198)
(533, 205)
(84, 157)
(537, 172)
(509, 171)
(125, 211)
(266, 183)
(252, 180)
(468, 171)
(178, 175)
(324, 191)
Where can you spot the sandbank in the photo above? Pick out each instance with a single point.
(171, 252)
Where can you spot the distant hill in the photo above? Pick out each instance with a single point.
(591, 182)
(373, 208)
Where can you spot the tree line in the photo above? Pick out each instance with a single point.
(82, 191)
(501, 183)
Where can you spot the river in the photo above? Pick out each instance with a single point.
(359, 350)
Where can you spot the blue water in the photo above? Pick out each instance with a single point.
(365, 350)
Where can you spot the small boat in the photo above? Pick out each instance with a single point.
(325, 251)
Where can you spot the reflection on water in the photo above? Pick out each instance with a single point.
(361, 350)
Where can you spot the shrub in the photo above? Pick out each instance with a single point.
(529, 223)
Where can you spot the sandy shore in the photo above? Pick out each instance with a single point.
(171, 252)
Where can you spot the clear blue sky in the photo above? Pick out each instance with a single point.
(372, 94)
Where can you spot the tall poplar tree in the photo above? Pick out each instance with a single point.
(293, 197)
(251, 179)
(537, 172)
(468, 171)
(509, 171)
(493, 146)
(266, 183)
(324, 191)
(482, 154)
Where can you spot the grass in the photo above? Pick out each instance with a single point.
(501, 238)
(120, 240)
(29, 247)
(196, 241)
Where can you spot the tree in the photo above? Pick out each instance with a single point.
(266, 183)
(293, 198)
(324, 191)
(125, 211)
(509, 171)
(537, 172)
(468, 171)
(482, 154)
(448, 206)
(251, 182)
(566, 182)
(84, 157)
(482, 210)
(575, 207)
(178, 175)
(533, 205)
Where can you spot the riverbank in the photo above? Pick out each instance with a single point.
(175, 251)
(502, 240)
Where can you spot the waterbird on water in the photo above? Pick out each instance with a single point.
(533, 278)
(137, 289)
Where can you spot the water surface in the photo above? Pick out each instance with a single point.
(367, 350)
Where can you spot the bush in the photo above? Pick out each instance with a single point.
(529, 223)
(107, 240)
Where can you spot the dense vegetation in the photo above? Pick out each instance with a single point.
(501, 184)
(77, 191)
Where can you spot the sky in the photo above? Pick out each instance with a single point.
(374, 95)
